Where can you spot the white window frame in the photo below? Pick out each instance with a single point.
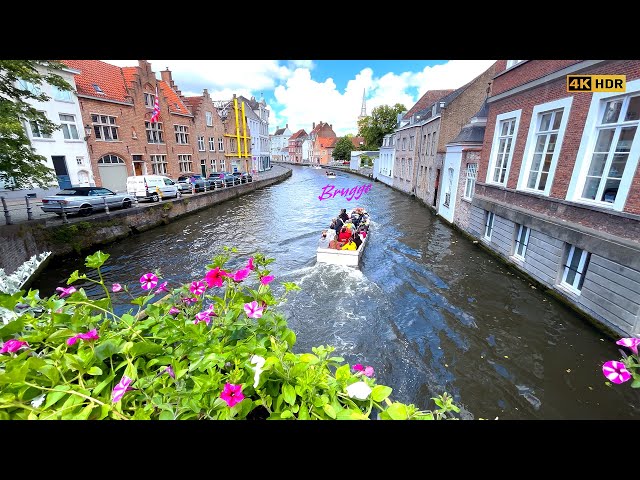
(488, 225)
(520, 240)
(220, 144)
(36, 129)
(581, 271)
(159, 164)
(201, 143)
(213, 165)
(587, 144)
(99, 125)
(149, 100)
(532, 138)
(68, 124)
(470, 182)
(209, 118)
(447, 193)
(513, 63)
(515, 114)
(60, 95)
(155, 132)
(212, 144)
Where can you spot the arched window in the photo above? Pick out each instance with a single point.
(110, 159)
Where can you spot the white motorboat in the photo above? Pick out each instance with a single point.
(331, 174)
(349, 258)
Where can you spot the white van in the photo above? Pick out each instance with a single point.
(152, 187)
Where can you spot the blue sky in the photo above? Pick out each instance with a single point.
(301, 92)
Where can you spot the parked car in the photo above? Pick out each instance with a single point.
(152, 187)
(183, 186)
(216, 179)
(85, 200)
(198, 180)
(244, 177)
(230, 179)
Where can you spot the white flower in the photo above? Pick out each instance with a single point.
(259, 363)
(359, 390)
(36, 402)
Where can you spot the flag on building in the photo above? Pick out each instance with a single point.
(156, 108)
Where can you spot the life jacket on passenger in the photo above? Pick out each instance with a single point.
(344, 235)
(351, 245)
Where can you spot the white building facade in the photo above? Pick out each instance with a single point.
(258, 125)
(279, 144)
(307, 150)
(383, 165)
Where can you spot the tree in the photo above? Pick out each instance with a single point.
(383, 120)
(343, 148)
(20, 80)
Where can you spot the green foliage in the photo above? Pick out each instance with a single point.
(373, 128)
(342, 150)
(18, 159)
(366, 161)
(52, 377)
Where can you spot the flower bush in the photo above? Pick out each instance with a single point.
(628, 367)
(214, 348)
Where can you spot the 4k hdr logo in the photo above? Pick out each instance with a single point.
(596, 83)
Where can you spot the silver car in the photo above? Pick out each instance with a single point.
(85, 200)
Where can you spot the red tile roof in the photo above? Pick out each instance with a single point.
(128, 73)
(299, 133)
(328, 142)
(194, 103)
(107, 77)
(356, 141)
(176, 105)
(427, 99)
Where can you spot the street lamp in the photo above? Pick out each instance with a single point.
(87, 131)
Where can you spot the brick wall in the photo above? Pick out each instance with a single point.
(525, 72)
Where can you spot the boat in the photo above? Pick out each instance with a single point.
(350, 258)
(331, 174)
(317, 167)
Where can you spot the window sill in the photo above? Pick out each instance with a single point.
(567, 291)
(42, 139)
(108, 141)
(468, 200)
(517, 260)
(73, 141)
(156, 143)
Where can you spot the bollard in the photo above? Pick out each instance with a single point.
(64, 214)
(29, 209)
(106, 205)
(193, 188)
(7, 215)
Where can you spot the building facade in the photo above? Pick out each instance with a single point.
(258, 124)
(383, 166)
(318, 153)
(295, 146)
(279, 144)
(558, 187)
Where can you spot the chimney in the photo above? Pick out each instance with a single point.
(205, 93)
(286, 126)
(314, 125)
(166, 76)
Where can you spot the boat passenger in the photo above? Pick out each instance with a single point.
(350, 245)
(344, 235)
(343, 215)
(337, 225)
(357, 240)
(336, 244)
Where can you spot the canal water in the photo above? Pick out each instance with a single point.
(428, 309)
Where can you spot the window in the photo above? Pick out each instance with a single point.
(97, 88)
(412, 140)
(149, 100)
(32, 87)
(203, 166)
(69, 129)
(80, 160)
(502, 147)
(61, 95)
(213, 165)
(470, 184)
(611, 157)
(541, 152)
(522, 240)
(212, 144)
(36, 129)
(433, 143)
(105, 127)
(575, 268)
(512, 63)
(447, 195)
(186, 166)
(233, 144)
(182, 135)
(110, 159)
(201, 144)
(209, 117)
(404, 143)
(154, 132)
(159, 164)
(488, 225)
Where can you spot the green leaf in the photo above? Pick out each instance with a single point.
(85, 412)
(286, 414)
(635, 384)
(96, 260)
(103, 384)
(94, 371)
(106, 349)
(52, 397)
(75, 276)
(380, 392)
(329, 410)
(343, 373)
(289, 393)
(304, 412)
(397, 411)
(12, 327)
(349, 414)
(166, 415)
(309, 358)
(142, 348)
(17, 375)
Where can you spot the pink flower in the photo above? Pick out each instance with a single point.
(250, 265)
(173, 311)
(169, 370)
(232, 394)
(616, 371)
(241, 274)
(358, 367)
(215, 277)
(162, 288)
(13, 346)
(203, 316)
(368, 371)
(253, 310)
(90, 335)
(190, 300)
(631, 343)
(116, 287)
(121, 388)
(198, 288)
(267, 279)
(148, 281)
(65, 292)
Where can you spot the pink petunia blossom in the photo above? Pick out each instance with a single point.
(65, 292)
(121, 388)
(116, 287)
(241, 274)
(90, 335)
(358, 367)
(250, 264)
(148, 281)
(616, 371)
(215, 277)
(266, 280)
(232, 394)
(253, 310)
(162, 287)
(368, 371)
(203, 316)
(12, 346)
(169, 371)
(198, 287)
(190, 300)
(173, 311)
(631, 343)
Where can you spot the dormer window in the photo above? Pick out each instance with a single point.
(97, 88)
(513, 63)
(177, 106)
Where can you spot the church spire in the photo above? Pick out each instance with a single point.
(363, 110)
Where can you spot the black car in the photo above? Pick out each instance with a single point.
(199, 181)
(244, 177)
(216, 180)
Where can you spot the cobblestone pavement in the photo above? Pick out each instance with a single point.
(14, 204)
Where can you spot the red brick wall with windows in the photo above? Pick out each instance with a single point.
(555, 90)
(525, 72)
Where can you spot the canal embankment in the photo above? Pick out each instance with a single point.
(21, 240)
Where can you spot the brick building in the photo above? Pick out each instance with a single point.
(322, 131)
(295, 146)
(558, 188)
